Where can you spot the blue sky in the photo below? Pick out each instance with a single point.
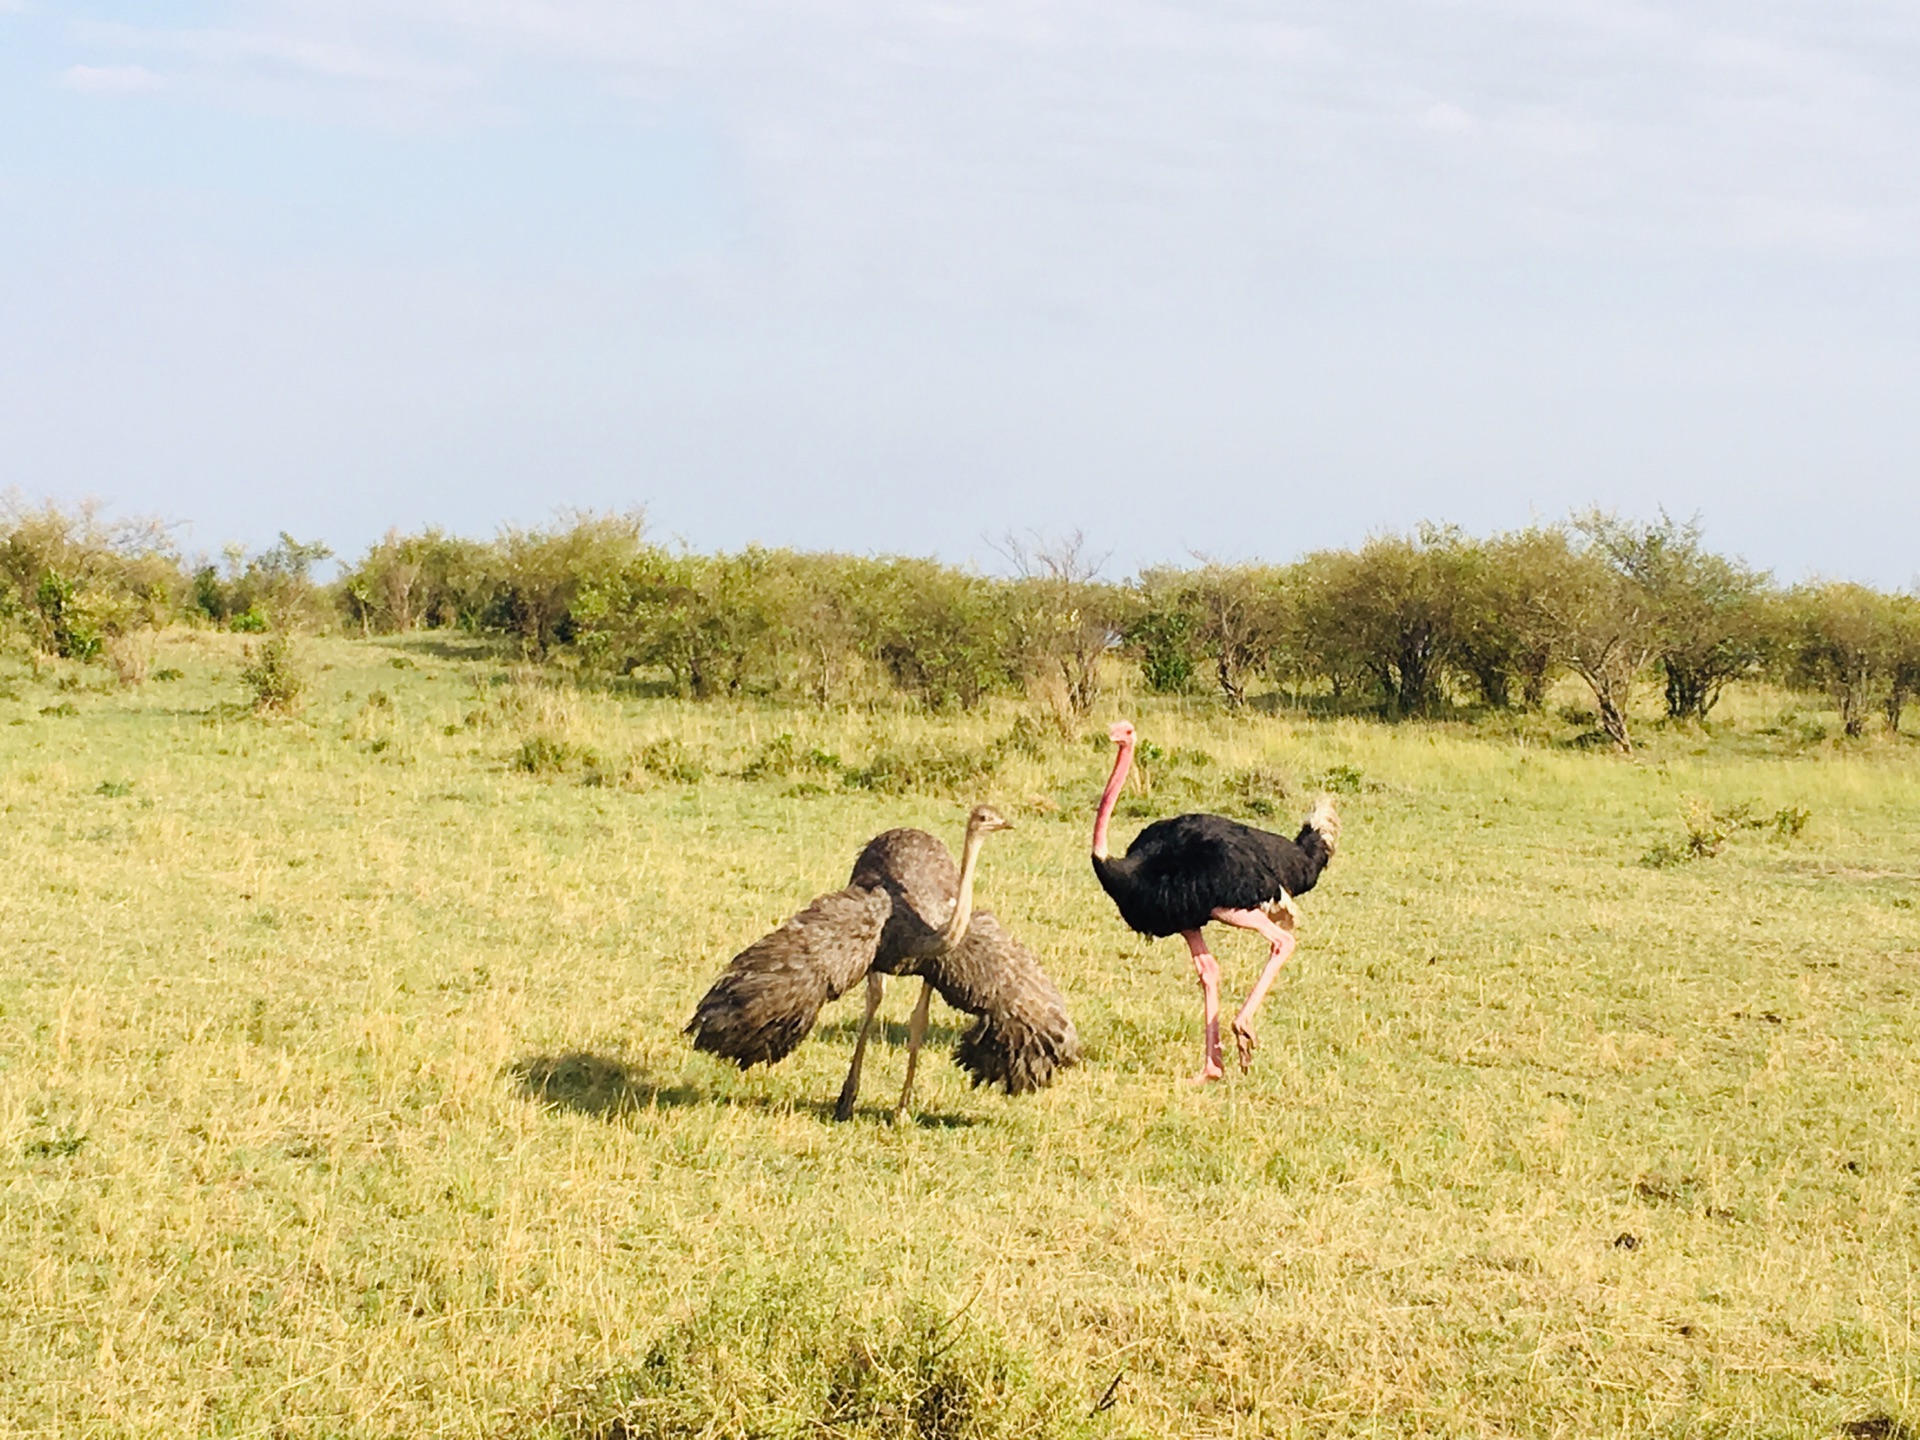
(1218, 278)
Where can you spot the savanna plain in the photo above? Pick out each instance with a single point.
(342, 1088)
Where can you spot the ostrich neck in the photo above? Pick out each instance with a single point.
(1109, 798)
(955, 930)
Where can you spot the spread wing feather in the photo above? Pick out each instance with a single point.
(1022, 1035)
(770, 995)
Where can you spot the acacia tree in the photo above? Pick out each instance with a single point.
(1602, 627)
(1707, 609)
(1502, 643)
(1064, 620)
(1238, 621)
(1901, 655)
(1849, 642)
(1395, 606)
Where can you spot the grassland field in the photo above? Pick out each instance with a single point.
(342, 1089)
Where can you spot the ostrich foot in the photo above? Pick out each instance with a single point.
(1208, 1074)
(1245, 1041)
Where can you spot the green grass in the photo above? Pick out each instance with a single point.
(342, 1091)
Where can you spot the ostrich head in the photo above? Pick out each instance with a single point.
(1121, 732)
(985, 819)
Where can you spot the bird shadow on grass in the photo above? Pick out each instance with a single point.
(596, 1085)
(611, 1090)
(878, 1110)
(890, 1033)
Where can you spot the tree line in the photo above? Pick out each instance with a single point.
(1404, 624)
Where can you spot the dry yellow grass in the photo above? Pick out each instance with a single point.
(342, 1094)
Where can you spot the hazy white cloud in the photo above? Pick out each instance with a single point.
(1609, 119)
(1447, 119)
(111, 79)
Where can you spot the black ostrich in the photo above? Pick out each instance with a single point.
(1181, 873)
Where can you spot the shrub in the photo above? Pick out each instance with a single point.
(1260, 791)
(777, 1351)
(70, 582)
(1342, 780)
(273, 677)
(669, 759)
(271, 590)
(542, 574)
(130, 656)
(1503, 643)
(431, 580)
(1063, 621)
(541, 754)
(1707, 829)
(783, 756)
(1163, 633)
(1240, 619)
(932, 767)
(1601, 625)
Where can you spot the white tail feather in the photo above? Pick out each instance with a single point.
(1324, 821)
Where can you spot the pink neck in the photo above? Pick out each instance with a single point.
(1111, 797)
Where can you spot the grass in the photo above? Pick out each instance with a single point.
(342, 1091)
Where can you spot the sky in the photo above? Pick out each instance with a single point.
(1219, 279)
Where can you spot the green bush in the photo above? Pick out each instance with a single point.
(541, 754)
(273, 677)
(70, 582)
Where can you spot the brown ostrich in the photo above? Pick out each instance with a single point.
(907, 910)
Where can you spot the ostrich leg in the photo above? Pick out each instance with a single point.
(849, 1091)
(1208, 969)
(916, 1032)
(1282, 946)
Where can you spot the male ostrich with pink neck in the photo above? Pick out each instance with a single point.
(1179, 874)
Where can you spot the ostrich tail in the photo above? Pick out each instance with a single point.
(1022, 1035)
(768, 998)
(1323, 820)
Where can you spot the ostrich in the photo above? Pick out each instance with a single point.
(906, 911)
(1180, 873)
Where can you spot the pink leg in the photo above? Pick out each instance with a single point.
(1281, 944)
(1208, 969)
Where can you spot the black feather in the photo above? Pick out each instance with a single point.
(1177, 872)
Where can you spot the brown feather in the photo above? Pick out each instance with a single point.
(1023, 1034)
(770, 995)
(888, 919)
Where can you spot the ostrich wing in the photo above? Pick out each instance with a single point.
(768, 998)
(1023, 1034)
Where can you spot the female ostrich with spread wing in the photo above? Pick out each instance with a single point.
(906, 911)
(1181, 873)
